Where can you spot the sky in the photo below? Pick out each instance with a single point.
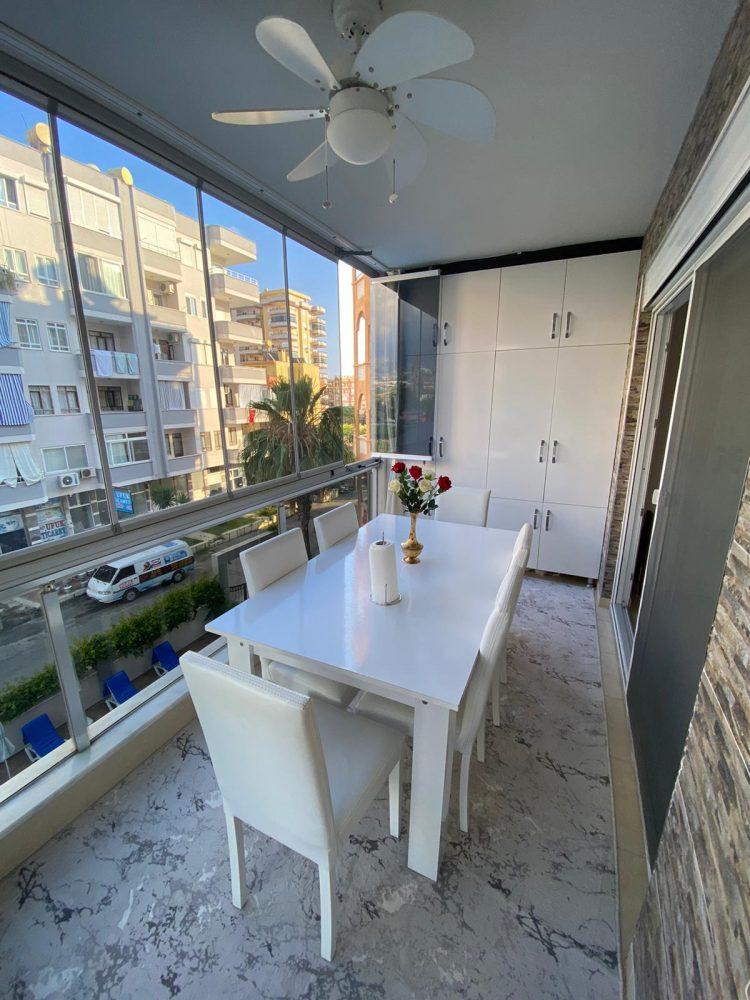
(308, 272)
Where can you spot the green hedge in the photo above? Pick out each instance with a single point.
(128, 637)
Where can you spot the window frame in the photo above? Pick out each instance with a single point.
(5, 179)
(68, 467)
(19, 254)
(29, 323)
(57, 328)
(40, 390)
(47, 282)
(67, 390)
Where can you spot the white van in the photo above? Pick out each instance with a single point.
(123, 579)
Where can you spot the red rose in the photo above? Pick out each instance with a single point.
(415, 472)
(399, 467)
(444, 483)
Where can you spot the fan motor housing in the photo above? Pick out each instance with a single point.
(360, 128)
(357, 18)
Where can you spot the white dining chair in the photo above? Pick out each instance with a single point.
(522, 546)
(336, 524)
(472, 711)
(464, 505)
(507, 595)
(263, 565)
(298, 770)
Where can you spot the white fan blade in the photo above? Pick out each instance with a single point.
(290, 44)
(408, 150)
(271, 116)
(456, 108)
(313, 164)
(411, 44)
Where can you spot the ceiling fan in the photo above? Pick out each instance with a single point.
(371, 107)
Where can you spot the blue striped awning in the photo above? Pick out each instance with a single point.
(15, 409)
(4, 324)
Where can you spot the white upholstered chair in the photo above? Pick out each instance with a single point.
(335, 524)
(464, 505)
(472, 712)
(299, 770)
(507, 596)
(263, 565)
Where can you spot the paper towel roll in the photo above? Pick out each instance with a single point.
(383, 573)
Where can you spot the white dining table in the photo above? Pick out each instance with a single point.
(419, 651)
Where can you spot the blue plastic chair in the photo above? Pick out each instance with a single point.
(117, 689)
(164, 658)
(40, 737)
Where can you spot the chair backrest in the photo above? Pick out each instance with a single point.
(510, 586)
(464, 505)
(491, 647)
(266, 751)
(522, 548)
(41, 734)
(120, 686)
(266, 563)
(336, 524)
(164, 654)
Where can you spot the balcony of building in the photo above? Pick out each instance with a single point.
(228, 248)
(240, 332)
(121, 419)
(114, 364)
(232, 287)
(19, 497)
(172, 369)
(161, 265)
(101, 306)
(132, 472)
(184, 464)
(178, 418)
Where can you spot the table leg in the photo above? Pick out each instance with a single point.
(240, 654)
(432, 746)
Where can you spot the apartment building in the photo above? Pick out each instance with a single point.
(361, 296)
(142, 281)
(304, 326)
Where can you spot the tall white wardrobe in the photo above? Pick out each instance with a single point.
(531, 370)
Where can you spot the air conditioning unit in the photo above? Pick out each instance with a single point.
(68, 479)
(88, 473)
(168, 287)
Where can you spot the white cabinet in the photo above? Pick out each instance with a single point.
(599, 299)
(585, 417)
(531, 305)
(464, 403)
(570, 539)
(511, 515)
(522, 398)
(468, 311)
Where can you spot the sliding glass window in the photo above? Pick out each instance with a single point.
(246, 265)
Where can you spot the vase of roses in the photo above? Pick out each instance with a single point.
(418, 492)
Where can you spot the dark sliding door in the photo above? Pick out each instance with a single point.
(704, 475)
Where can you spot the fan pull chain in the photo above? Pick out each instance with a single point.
(393, 196)
(327, 200)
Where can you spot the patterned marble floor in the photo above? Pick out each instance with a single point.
(132, 900)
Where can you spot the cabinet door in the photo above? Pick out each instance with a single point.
(468, 311)
(585, 416)
(520, 429)
(531, 304)
(512, 515)
(599, 299)
(570, 539)
(463, 416)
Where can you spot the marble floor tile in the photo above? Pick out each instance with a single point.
(132, 900)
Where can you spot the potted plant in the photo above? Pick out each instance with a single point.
(418, 492)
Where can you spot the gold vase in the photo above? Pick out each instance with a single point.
(411, 547)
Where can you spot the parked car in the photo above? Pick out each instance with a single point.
(124, 579)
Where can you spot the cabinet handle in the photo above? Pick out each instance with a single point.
(568, 322)
(542, 443)
(546, 520)
(536, 518)
(434, 334)
(553, 332)
(445, 334)
(441, 442)
(554, 452)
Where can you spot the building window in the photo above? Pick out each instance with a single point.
(205, 440)
(110, 399)
(71, 458)
(8, 192)
(41, 400)
(37, 202)
(164, 350)
(102, 341)
(125, 449)
(203, 354)
(191, 305)
(217, 440)
(204, 309)
(173, 396)
(15, 262)
(46, 271)
(28, 334)
(67, 398)
(103, 277)
(57, 335)
(232, 435)
(93, 212)
(175, 447)
(159, 236)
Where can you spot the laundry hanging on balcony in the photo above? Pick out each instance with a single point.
(17, 462)
(102, 362)
(15, 409)
(4, 324)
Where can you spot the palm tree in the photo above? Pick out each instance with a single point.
(269, 449)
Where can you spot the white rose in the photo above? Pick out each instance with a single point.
(425, 486)
(394, 486)
(429, 475)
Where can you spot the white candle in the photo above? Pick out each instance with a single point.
(383, 573)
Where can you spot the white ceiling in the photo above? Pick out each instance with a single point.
(593, 98)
